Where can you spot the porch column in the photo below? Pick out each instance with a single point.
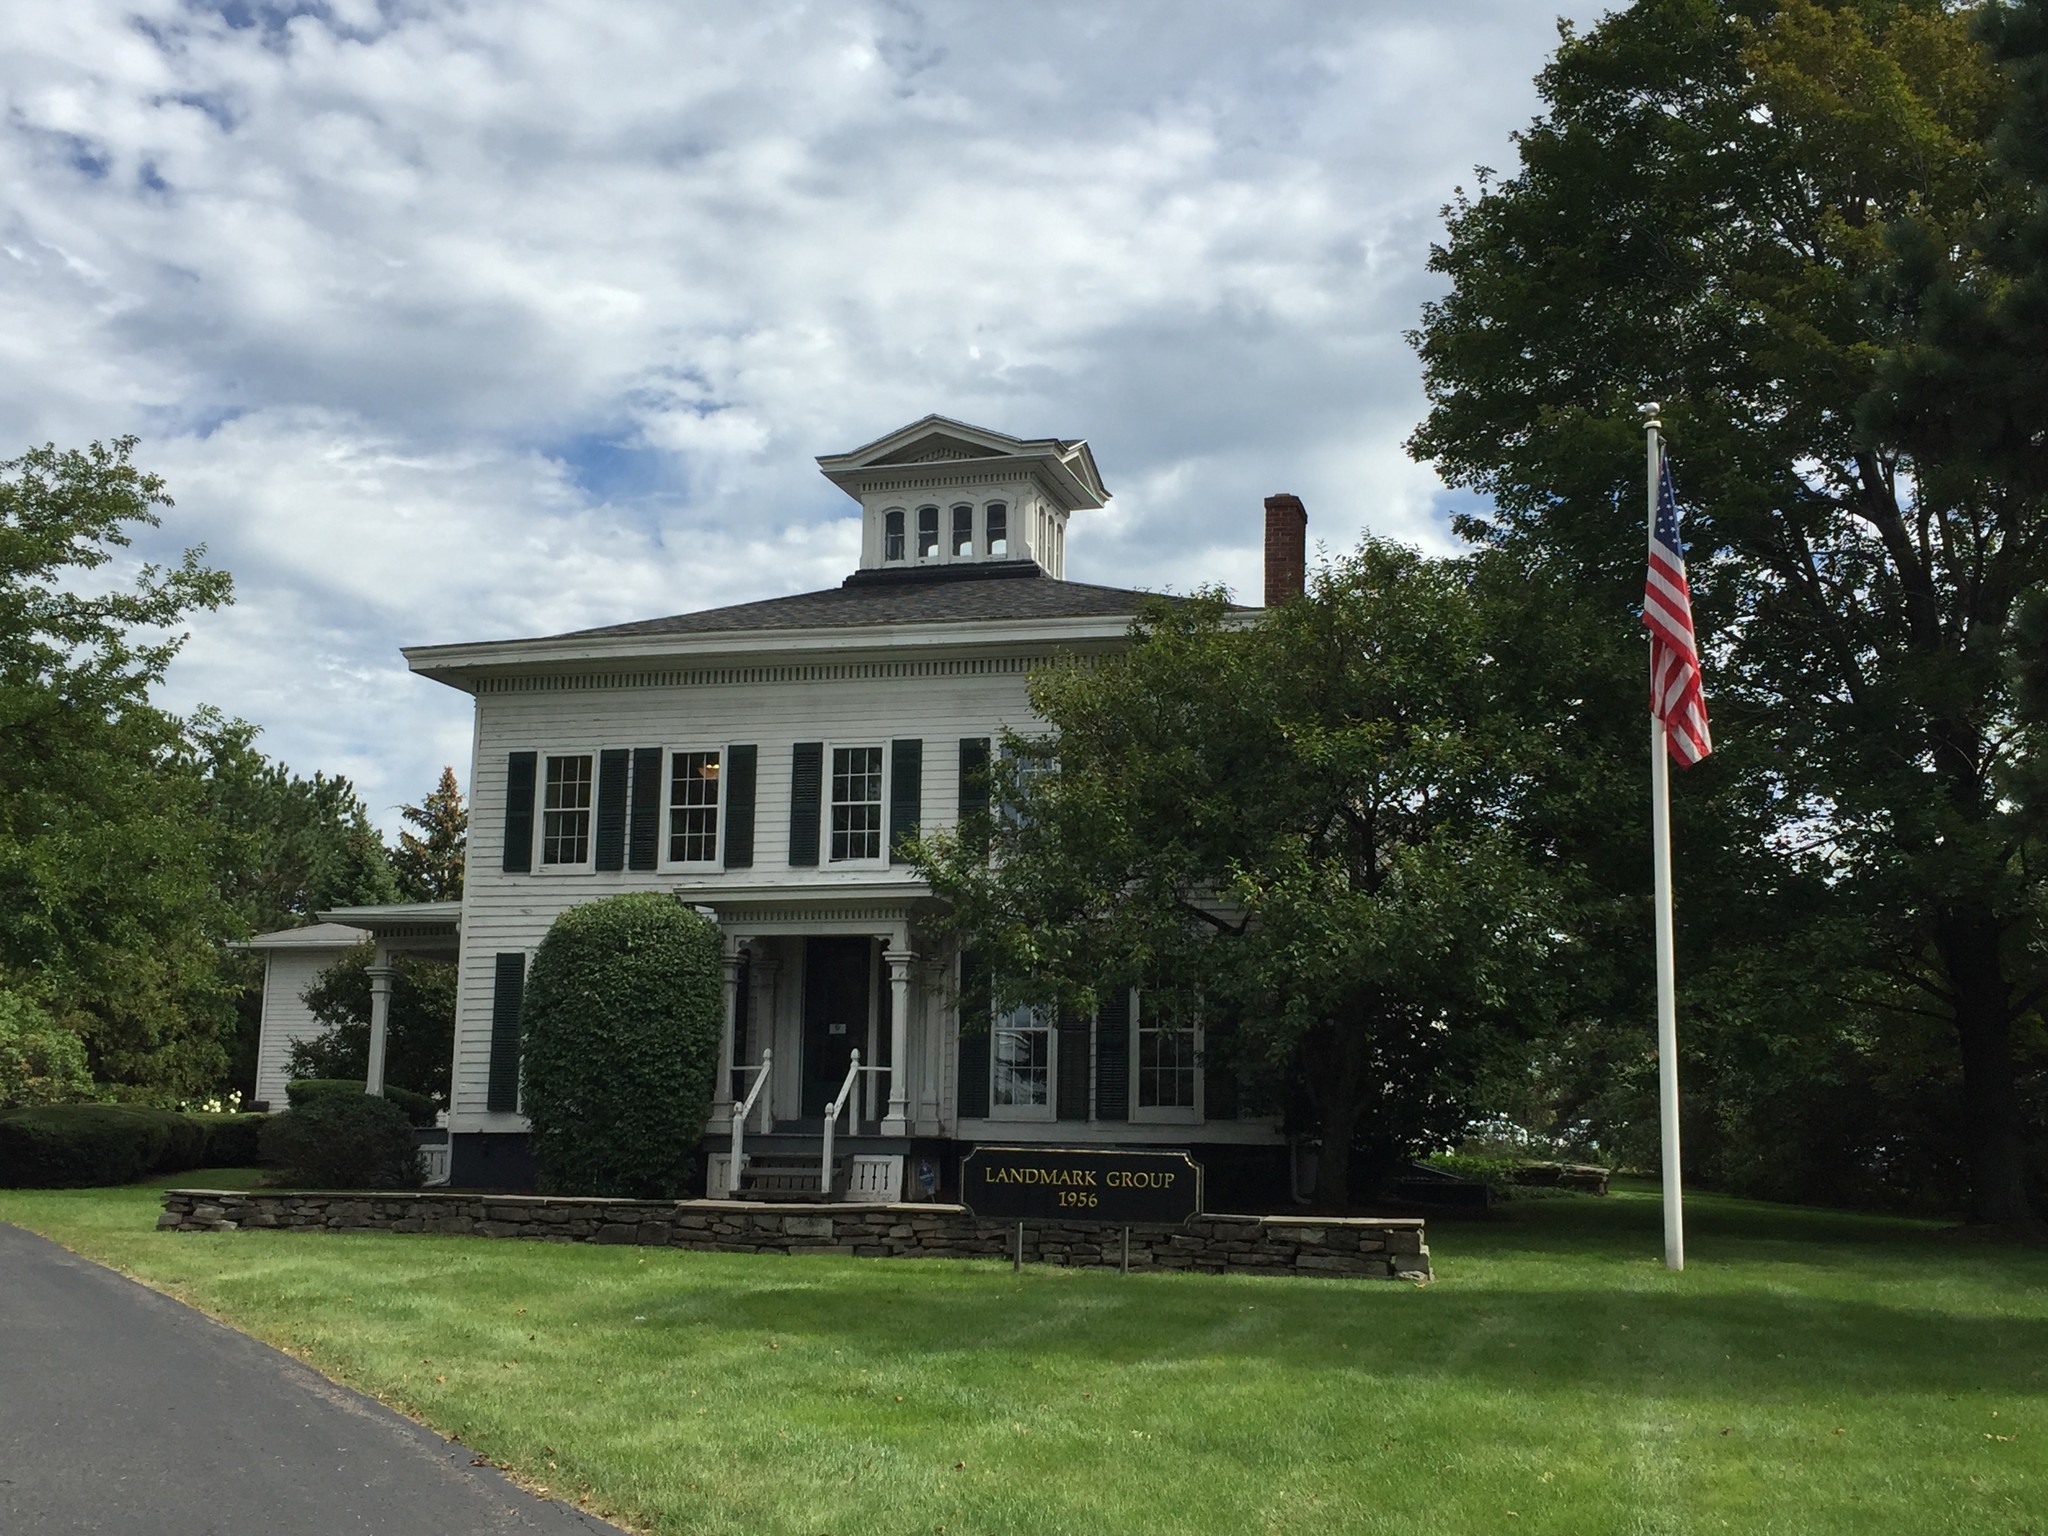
(381, 976)
(721, 1092)
(931, 985)
(897, 1121)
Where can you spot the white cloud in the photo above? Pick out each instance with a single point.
(462, 320)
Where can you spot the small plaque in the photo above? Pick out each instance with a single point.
(1070, 1184)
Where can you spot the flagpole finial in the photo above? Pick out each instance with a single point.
(1649, 413)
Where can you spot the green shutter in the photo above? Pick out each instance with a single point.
(1219, 1072)
(974, 1037)
(520, 769)
(643, 836)
(906, 795)
(508, 990)
(973, 787)
(806, 785)
(1070, 1100)
(1113, 1056)
(973, 776)
(613, 764)
(737, 785)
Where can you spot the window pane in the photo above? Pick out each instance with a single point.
(963, 530)
(856, 802)
(927, 532)
(693, 808)
(892, 534)
(1166, 1065)
(1020, 1057)
(565, 812)
(998, 528)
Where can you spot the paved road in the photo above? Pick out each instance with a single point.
(121, 1410)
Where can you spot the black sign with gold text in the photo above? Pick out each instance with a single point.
(1080, 1184)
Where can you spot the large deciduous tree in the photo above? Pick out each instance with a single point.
(1293, 825)
(1721, 209)
(110, 909)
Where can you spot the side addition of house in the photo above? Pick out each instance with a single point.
(760, 762)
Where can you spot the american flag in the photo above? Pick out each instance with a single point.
(1675, 694)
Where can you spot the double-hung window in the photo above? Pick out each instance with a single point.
(927, 532)
(996, 529)
(963, 532)
(1020, 1063)
(892, 534)
(856, 809)
(1165, 1052)
(693, 807)
(565, 812)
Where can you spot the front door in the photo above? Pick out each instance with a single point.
(838, 986)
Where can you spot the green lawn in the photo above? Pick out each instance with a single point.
(1811, 1372)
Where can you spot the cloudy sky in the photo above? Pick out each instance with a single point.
(468, 320)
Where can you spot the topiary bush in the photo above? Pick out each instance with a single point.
(343, 1141)
(620, 1028)
(419, 1108)
(77, 1146)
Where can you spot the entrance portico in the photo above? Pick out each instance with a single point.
(827, 989)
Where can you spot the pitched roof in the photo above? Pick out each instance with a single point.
(1016, 589)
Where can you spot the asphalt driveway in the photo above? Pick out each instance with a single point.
(121, 1410)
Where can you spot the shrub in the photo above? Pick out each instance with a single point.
(41, 1062)
(619, 1037)
(73, 1146)
(418, 1108)
(232, 1141)
(343, 1141)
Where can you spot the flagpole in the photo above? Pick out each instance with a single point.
(1667, 963)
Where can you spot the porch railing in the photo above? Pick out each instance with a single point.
(740, 1112)
(846, 1096)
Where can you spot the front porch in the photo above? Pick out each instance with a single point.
(832, 1059)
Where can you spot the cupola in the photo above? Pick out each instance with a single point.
(940, 494)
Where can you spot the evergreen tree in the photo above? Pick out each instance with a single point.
(429, 863)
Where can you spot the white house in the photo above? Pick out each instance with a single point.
(758, 761)
(292, 957)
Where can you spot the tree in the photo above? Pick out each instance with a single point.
(110, 910)
(1294, 825)
(429, 863)
(419, 1038)
(619, 1039)
(1701, 218)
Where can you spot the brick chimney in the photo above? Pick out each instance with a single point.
(1286, 548)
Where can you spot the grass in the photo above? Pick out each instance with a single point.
(1811, 1372)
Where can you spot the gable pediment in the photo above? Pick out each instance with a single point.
(935, 448)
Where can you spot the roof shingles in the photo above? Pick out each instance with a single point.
(954, 597)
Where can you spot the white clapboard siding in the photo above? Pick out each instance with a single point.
(938, 703)
(287, 973)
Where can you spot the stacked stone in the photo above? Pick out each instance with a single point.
(1375, 1247)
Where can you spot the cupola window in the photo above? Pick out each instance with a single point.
(927, 532)
(998, 529)
(963, 532)
(892, 534)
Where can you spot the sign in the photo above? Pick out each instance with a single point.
(1080, 1184)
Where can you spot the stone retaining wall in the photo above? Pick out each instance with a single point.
(1379, 1247)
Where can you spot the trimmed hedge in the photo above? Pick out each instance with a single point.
(619, 1043)
(343, 1141)
(76, 1146)
(232, 1141)
(419, 1108)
